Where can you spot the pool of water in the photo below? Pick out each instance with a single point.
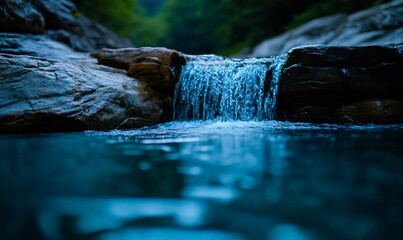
(205, 180)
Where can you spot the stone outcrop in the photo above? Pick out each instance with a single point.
(57, 14)
(38, 46)
(358, 85)
(59, 21)
(43, 94)
(158, 67)
(47, 86)
(378, 25)
(88, 36)
(21, 17)
(380, 111)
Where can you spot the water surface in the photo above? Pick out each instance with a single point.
(205, 180)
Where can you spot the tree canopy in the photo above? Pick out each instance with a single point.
(209, 26)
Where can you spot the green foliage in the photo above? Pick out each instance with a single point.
(116, 15)
(128, 18)
(191, 25)
(210, 26)
(249, 22)
(151, 7)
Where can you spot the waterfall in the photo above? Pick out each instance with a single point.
(212, 87)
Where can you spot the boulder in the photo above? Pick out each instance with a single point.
(78, 32)
(158, 67)
(381, 24)
(303, 85)
(378, 111)
(343, 56)
(123, 58)
(43, 95)
(320, 82)
(307, 113)
(382, 81)
(47, 86)
(317, 31)
(158, 76)
(37, 45)
(57, 14)
(20, 16)
(378, 25)
(88, 36)
(59, 21)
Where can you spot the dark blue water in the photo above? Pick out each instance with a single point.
(210, 180)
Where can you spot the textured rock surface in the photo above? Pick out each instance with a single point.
(159, 67)
(58, 20)
(381, 111)
(37, 45)
(88, 36)
(339, 84)
(40, 95)
(47, 86)
(378, 25)
(20, 16)
(57, 14)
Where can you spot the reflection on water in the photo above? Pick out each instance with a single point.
(205, 180)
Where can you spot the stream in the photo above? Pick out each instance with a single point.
(205, 180)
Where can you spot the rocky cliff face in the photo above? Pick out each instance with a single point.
(382, 24)
(46, 85)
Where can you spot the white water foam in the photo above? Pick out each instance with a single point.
(228, 89)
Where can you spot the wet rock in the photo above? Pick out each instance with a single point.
(378, 111)
(331, 77)
(310, 114)
(42, 95)
(312, 85)
(382, 81)
(339, 56)
(381, 24)
(349, 72)
(158, 67)
(19, 16)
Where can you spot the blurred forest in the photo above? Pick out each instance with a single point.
(209, 26)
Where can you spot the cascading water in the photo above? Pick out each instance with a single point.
(212, 87)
